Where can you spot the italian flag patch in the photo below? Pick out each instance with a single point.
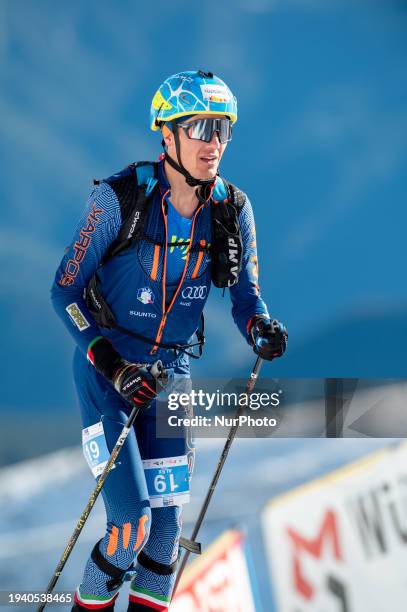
(150, 599)
(93, 602)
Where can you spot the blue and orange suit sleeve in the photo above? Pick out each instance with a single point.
(97, 229)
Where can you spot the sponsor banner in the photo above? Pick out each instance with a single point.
(218, 580)
(339, 544)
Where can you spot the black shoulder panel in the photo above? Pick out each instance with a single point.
(227, 245)
(124, 184)
(133, 199)
(237, 196)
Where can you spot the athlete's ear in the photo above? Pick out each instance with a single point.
(167, 135)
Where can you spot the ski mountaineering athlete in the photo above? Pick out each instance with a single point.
(131, 289)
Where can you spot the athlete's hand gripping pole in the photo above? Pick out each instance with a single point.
(159, 374)
(232, 433)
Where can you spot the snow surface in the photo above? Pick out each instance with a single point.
(41, 500)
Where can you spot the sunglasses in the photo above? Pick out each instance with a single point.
(204, 129)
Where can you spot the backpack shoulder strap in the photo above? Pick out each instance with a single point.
(236, 196)
(227, 245)
(133, 187)
(226, 192)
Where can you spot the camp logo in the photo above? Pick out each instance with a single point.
(145, 295)
(77, 317)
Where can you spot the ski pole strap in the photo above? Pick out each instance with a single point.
(154, 566)
(117, 574)
(192, 547)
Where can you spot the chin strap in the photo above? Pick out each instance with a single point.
(206, 186)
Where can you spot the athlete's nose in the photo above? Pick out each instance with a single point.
(215, 138)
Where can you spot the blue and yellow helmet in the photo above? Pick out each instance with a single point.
(192, 93)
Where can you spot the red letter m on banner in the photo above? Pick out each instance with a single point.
(328, 533)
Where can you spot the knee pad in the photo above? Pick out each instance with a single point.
(123, 545)
(162, 569)
(117, 575)
(130, 537)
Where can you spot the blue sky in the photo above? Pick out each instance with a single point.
(320, 147)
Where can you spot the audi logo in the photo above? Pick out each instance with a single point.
(195, 293)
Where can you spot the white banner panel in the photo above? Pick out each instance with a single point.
(339, 544)
(218, 581)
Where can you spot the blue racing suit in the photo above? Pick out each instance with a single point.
(152, 294)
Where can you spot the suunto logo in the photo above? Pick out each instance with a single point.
(137, 313)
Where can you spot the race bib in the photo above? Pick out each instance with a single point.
(167, 481)
(95, 448)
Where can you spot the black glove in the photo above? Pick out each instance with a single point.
(137, 384)
(268, 338)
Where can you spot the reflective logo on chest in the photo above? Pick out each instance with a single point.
(198, 292)
(145, 295)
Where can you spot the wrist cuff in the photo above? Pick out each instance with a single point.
(89, 354)
(103, 356)
(255, 318)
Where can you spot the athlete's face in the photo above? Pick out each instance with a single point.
(201, 159)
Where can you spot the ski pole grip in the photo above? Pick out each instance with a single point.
(160, 373)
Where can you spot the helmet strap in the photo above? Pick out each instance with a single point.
(179, 167)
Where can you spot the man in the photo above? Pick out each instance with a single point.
(131, 289)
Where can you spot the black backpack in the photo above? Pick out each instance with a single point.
(134, 188)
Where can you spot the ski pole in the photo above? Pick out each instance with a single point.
(157, 372)
(232, 433)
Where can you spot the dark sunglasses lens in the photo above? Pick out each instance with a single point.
(201, 130)
(225, 130)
